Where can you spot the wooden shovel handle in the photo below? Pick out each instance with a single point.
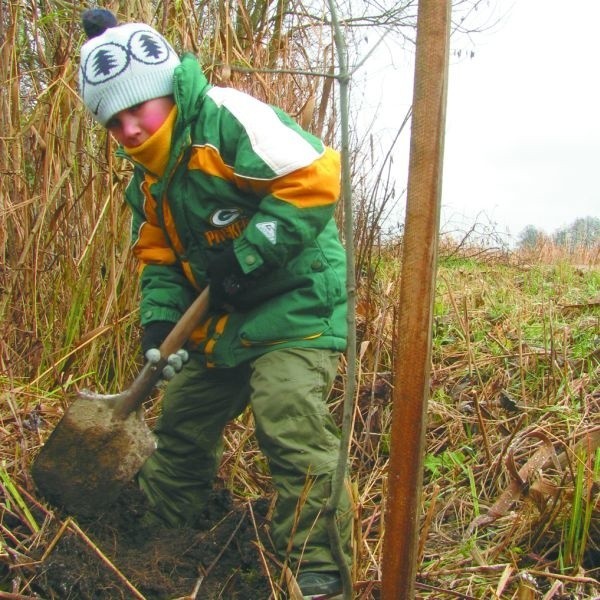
(132, 398)
(185, 326)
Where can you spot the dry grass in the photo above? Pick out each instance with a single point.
(513, 439)
(549, 253)
(512, 468)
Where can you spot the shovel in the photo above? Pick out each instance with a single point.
(102, 440)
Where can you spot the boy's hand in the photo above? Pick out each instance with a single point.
(174, 364)
(153, 336)
(227, 280)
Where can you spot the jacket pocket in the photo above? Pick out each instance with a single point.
(302, 313)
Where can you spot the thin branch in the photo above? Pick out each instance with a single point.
(340, 473)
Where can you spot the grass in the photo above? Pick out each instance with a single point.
(512, 465)
(576, 530)
(515, 378)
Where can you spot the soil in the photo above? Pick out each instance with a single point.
(115, 556)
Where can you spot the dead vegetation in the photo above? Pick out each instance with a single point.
(512, 464)
(512, 470)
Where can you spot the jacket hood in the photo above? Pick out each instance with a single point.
(189, 87)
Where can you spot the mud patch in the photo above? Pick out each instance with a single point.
(116, 557)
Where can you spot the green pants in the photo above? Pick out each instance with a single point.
(287, 391)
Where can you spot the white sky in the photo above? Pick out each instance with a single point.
(523, 117)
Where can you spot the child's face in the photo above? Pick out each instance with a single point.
(133, 126)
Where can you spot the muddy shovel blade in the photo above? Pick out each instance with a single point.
(102, 441)
(90, 457)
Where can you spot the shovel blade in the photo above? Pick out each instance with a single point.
(90, 457)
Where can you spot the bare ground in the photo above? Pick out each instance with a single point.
(115, 556)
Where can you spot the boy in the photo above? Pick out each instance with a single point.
(230, 191)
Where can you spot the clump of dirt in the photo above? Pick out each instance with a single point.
(115, 556)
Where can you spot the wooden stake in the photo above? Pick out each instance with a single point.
(413, 355)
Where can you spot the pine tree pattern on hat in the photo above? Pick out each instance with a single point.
(123, 66)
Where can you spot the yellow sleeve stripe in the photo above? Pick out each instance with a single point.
(187, 270)
(317, 184)
(151, 246)
(208, 160)
(171, 229)
(149, 201)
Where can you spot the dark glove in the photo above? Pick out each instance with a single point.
(227, 280)
(153, 336)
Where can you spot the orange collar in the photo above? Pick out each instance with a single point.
(154, 152)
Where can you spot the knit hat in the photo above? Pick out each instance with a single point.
(122, 65)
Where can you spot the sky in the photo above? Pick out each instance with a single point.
(522, 140)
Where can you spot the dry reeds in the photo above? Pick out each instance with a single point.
(66, 268)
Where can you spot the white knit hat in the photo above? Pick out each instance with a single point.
(122, 66)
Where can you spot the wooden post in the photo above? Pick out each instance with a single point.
(413, 354)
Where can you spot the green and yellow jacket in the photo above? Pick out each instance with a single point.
(241, 172)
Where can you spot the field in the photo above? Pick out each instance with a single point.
(510, 505)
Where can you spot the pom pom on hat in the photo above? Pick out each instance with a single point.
(122, 65)
(96, 21)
